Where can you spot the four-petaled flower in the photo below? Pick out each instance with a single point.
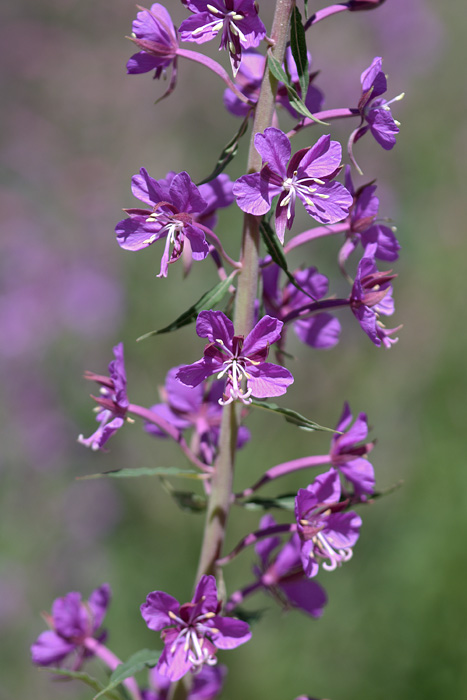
(194, 407)
(113, 401)
(282, 574)
(307, 175)
(192, 633)
(175, 204)
(237, 19)
(371, 296)
(238, 358)
(325, 533)
(72, 623)
(154, 33)
(349, 450)
(364, 225)
(322, 330)
(375, 110)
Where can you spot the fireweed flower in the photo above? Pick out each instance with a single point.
(307, 175)
(113, 401)
(371, 296)
(237, 19)
(364, 225)
(249, 78)
(349, 450)
(206, 685)
(322, 330)
(375, 111)
(326, 536)
(238, 359)
(72, 622)
(174, 208)
(281, 574)
(192, 632)
(195, 407)
(154, 33)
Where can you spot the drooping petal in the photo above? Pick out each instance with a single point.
(383, 127)
(142, 62)
(322, 331)
(360, 473)
(199, 245)
(50, 649)
(136, 233)
(307, 595)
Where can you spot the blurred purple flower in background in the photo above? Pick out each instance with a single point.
(206, 684)
(154, 33)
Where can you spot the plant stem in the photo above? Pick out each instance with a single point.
(221, 494)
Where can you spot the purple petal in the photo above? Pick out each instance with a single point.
(330, 208)
(207, 684)
(325, 490)
(266, 332)
(323, 159)
(253, 194)
(215, 326)
(387, 244)
(309, 563)
(70, 617)
(198, 28)
(360, 473)
(307, 595)
(322, 331)
(194, 374)
(274, 149)
(149, 190)
(185, 195)
(99, 601)
(135, 233)
(343, 529)
(156, 608)
(50, 649)
(268, 380)
(180, 397)
(373, 77)
(383, 127)
(344, 421)
(231, 632)
(199, 245)
(164, 411)
(206, 593)
(357, 433)
(174, 665)
(288, 558)
(264, 547)
(143, 62)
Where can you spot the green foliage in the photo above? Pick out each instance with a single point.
(291, 416)
(145, 658)
(294, 99)
(228, 153)
(86, 679)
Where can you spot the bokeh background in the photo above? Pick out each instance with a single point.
(74, 129)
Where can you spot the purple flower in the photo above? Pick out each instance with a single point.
(307, 175)
(371, 296)
(324, 533)
(375, 110)
(72, 622)
(206, 685)
(282, 574)
(192, 632)
(154, 33)
(237, 19)
(349, 451)
(113, 401)
(194, 407)
(322, 330)
(250, 76)
(175, 204)
(364, 226)
(237, 358)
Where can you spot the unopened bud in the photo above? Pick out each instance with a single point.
(360, 5)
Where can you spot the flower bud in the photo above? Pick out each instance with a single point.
(360, 5)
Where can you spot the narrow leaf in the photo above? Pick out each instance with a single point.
(146, 471)
(249, 616)
(229, 152)
(291, 416)
(294, 99)
(298, 46)
(186, 500)
(139, 660)
(209, 299)
(284, 502)
(276, 252)
(305, 4)
(84, 677)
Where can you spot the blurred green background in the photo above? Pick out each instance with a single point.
(74, 129)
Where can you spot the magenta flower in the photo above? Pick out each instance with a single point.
(238, 359)
(206, 684)
(175, 204)
(326, 534)
(322, 330)
(237, 19)
(249, 78)
(113, 401)
(307, 175)
(195, 407)
(375, 111)
(72, 623)
(282, 574)
(192, 633)
(349, 452)
(364, 225)
(371, 296)
(154, 33)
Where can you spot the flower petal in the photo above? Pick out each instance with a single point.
(231, 632)
(268, 380)
(156, 608)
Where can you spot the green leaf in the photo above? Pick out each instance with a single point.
(206, 302)
(85, 678)
(229, 152)
(146, 471)
(186, 500)
(298, 46)
(249, 616)
(139, 660)
(291, 416)
(305, 5)
(276, 252)
(284, 502)
(294, 99)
